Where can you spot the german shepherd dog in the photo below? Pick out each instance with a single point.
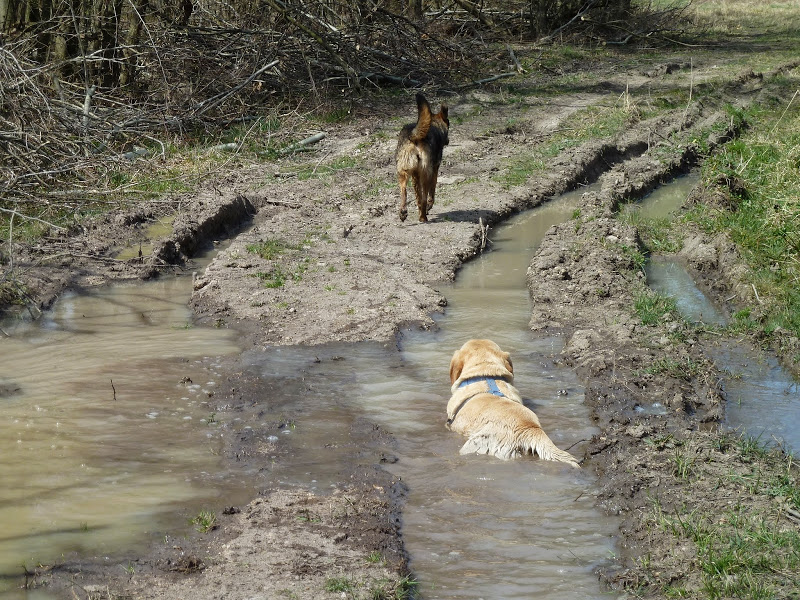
(419, 154)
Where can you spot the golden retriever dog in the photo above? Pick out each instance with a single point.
(487, 408)
(419, 153)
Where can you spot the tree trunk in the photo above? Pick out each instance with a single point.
(415, 9)
(131, 21)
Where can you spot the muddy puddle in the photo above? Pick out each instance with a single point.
(154, 231)
(763, 400)
(475, 527)
(670, 278)
(94, 467)
(107, 430)
(665, 199)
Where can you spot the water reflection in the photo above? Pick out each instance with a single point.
(669, 277)
(763, 399)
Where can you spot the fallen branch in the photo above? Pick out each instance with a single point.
(210, 103)
(23, 216)
(486, 80)
(377, 77)
(514, 59)
(476, 12)
(303, 143)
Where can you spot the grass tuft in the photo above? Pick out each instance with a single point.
(205, 521)
(652, 307)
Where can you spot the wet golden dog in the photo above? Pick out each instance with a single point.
(419, 154)
(487, 408)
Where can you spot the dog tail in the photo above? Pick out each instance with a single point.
(424, 117)
(535, 441)
(532, 440)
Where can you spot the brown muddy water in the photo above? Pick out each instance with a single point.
(107, 431)
(109, 439)
(663, 201)
(474, 526)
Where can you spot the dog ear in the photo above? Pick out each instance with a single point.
(508, 364)
(443, 114)
(456, 366)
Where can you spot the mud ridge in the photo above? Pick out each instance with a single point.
(214, 219)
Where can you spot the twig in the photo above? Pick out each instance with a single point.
(11, 241)
(87, 105)
(691, 88)
(486, 80)
(756, 292)
(279, 203)
(229, 147)
(784, 111)
(484, 233)
(113, 389)
(377, 77)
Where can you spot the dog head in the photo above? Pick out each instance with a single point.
(478, 358)
(443, 122)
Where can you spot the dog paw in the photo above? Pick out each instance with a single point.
(423, 219)
(403, 214)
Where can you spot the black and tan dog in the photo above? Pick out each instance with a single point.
(419, 154)
(487, 408)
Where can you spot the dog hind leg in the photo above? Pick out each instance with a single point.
(432, 191)
(402, 179)
(421, 191)
(486, 442)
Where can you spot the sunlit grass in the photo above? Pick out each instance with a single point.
(748, 551)
(762, 215)
(747, 17)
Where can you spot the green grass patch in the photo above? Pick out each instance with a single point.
(594, 122)
(340, 584)
(672, 367)
(273, 279)
(652, 307)
(760, 210)
(337, 115)
(269, 249)
(205, 521)
(748, 550)
(657, 234)
(319, 171)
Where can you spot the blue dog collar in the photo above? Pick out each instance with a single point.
(493, 389)
(490, 381)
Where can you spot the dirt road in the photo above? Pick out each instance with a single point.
(318, 253)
